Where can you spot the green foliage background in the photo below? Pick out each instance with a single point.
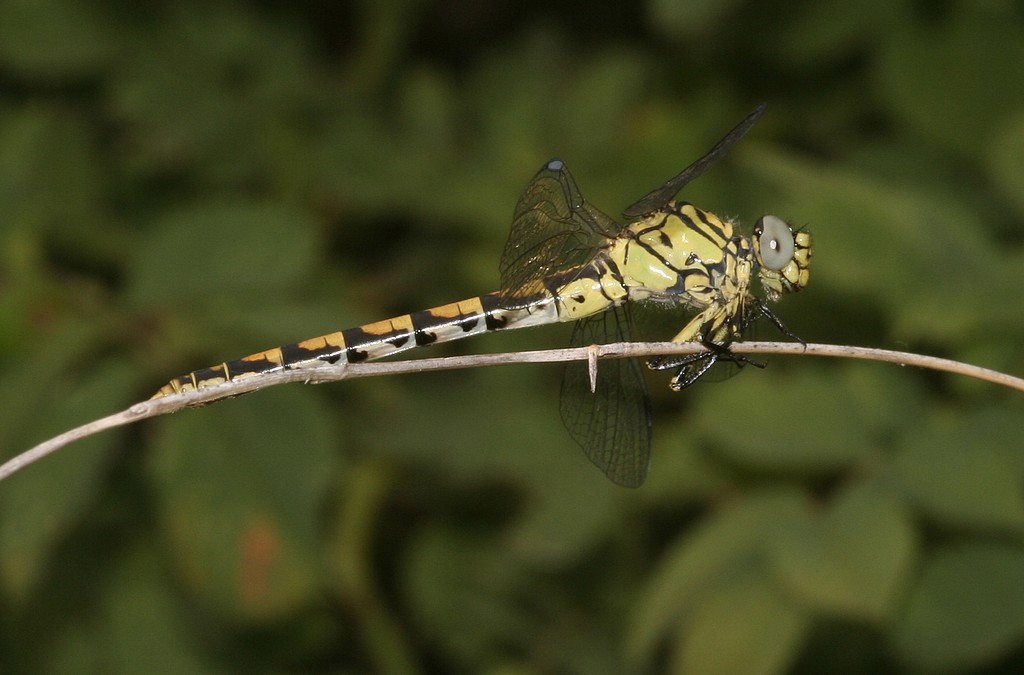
(183, 182)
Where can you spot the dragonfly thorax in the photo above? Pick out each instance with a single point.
(683, 254)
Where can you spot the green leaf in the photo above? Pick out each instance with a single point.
(695, 562)
(981, 51)
(461, 591)
(41, 504)
(852, 558)
(744, 625)
(794, 420)
(55, 39)
(818, 33)
(468, 400)
(859, 215)
(1006, 160)
(222, 247)
(47, 172)
(967, 611)
(29, 382)
(210, 95)
(962, 476)
(241, 490)
(137, 626)
(679, 19)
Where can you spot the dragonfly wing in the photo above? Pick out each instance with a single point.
(553, 230)
(660, 196)
(612, 423)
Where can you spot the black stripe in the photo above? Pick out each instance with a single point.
(556, 282)
(425, 324)
(356, 339)
(424, 337)
(401, 337)
(657, 256)
(703, 231)
(217, 373)
(679, 287)
(491, 304)
(292, 354)
(610, 269)
(241, 367)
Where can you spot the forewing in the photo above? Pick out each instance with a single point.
(613, 423)
(660, 196)
(553, 230)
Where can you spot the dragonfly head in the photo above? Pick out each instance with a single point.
(783, 256)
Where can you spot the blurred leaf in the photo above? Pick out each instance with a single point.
(427, 112)
(45, 367)
(55, 39)
(743, 624)
(967, 612)
(212, 92)
(462, 594)
(42, 504)
(48, 175)
(241, 491)
(698, 561)
(981, 48)
(681, 19)
(387, 29)
(852, 558)
(962, 475)
(1006, 161)
(138, 626)
(798, 421)
(681, 469)
(820, 34)
(471, 442)
(864, 225)
(570, 505)
(224, 247)
(473, 598)
(561, 525)
(604, 89)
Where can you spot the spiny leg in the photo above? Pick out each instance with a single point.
(691, 367)
(705, 327)
(763, 310)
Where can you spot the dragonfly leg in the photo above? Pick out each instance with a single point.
(765, 311)
(691, 367)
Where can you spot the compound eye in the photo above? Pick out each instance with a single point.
(774, 242)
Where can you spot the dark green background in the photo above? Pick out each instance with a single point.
(184, 182)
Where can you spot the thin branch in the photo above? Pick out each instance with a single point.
(333, 373)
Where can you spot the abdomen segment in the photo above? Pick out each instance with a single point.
(376, 340)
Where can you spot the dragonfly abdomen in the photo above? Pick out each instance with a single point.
(376, 340)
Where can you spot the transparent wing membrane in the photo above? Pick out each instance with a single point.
(613, 423)
(554, 230)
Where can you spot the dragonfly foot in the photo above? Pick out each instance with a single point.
(691, 367)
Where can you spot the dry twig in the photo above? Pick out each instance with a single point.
(332, 373)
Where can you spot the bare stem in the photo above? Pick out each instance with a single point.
(333, 373)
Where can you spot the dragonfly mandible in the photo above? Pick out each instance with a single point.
(565, 260)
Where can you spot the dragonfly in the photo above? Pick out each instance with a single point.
(566, 261)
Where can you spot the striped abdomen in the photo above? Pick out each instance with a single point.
(377, 340)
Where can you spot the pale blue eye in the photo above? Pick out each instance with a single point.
(775, 242)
